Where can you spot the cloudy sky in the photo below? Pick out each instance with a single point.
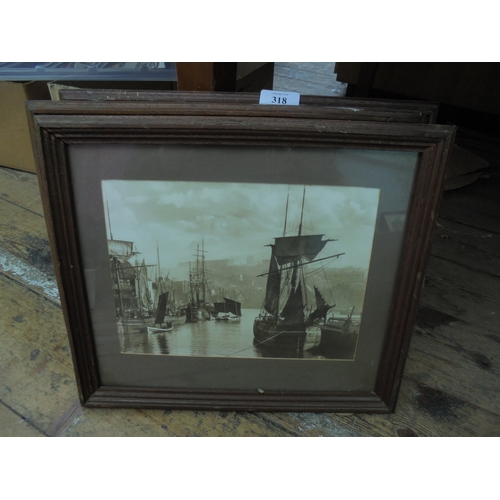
(236, 220)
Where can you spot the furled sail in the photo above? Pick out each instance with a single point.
(292, 248)
(272, 299)
(144, 294)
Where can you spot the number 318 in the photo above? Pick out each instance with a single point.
(279, 100)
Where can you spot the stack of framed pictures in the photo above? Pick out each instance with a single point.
(214, 253)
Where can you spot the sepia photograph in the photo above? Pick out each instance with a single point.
(247, 270)
(237, 262)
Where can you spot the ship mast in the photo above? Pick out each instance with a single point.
(158, 271)
(109, 221)
(302, 211)
(138, 287)
(296, 262)
(304, 291)
(203, 291)
(286, 214)
(116, 268)
(157, 277)
(198, 275)
(191, 283)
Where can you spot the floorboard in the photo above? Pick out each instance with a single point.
(308, 78)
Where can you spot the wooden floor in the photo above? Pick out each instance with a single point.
(451, 385)
(308, 79)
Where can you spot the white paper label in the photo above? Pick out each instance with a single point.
(279, 98)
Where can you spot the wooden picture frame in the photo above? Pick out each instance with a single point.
(247, 104)
(86, 148)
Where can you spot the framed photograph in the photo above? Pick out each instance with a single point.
(247, 104)
(237, 262)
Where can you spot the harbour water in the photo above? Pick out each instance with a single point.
(209, 338)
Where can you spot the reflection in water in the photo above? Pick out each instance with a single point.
(158, 343)
(265, 351)
(215, 338)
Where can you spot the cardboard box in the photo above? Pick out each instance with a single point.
(15, 141)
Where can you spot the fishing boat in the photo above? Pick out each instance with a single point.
(228, 310)
(161, 324)
(339, 336)
(163, 329)
(291, 315)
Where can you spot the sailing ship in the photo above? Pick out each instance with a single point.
(291, 315)
(165, 298)
(198, 308)
(133, 302)
(228, 310)
(160, 324)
